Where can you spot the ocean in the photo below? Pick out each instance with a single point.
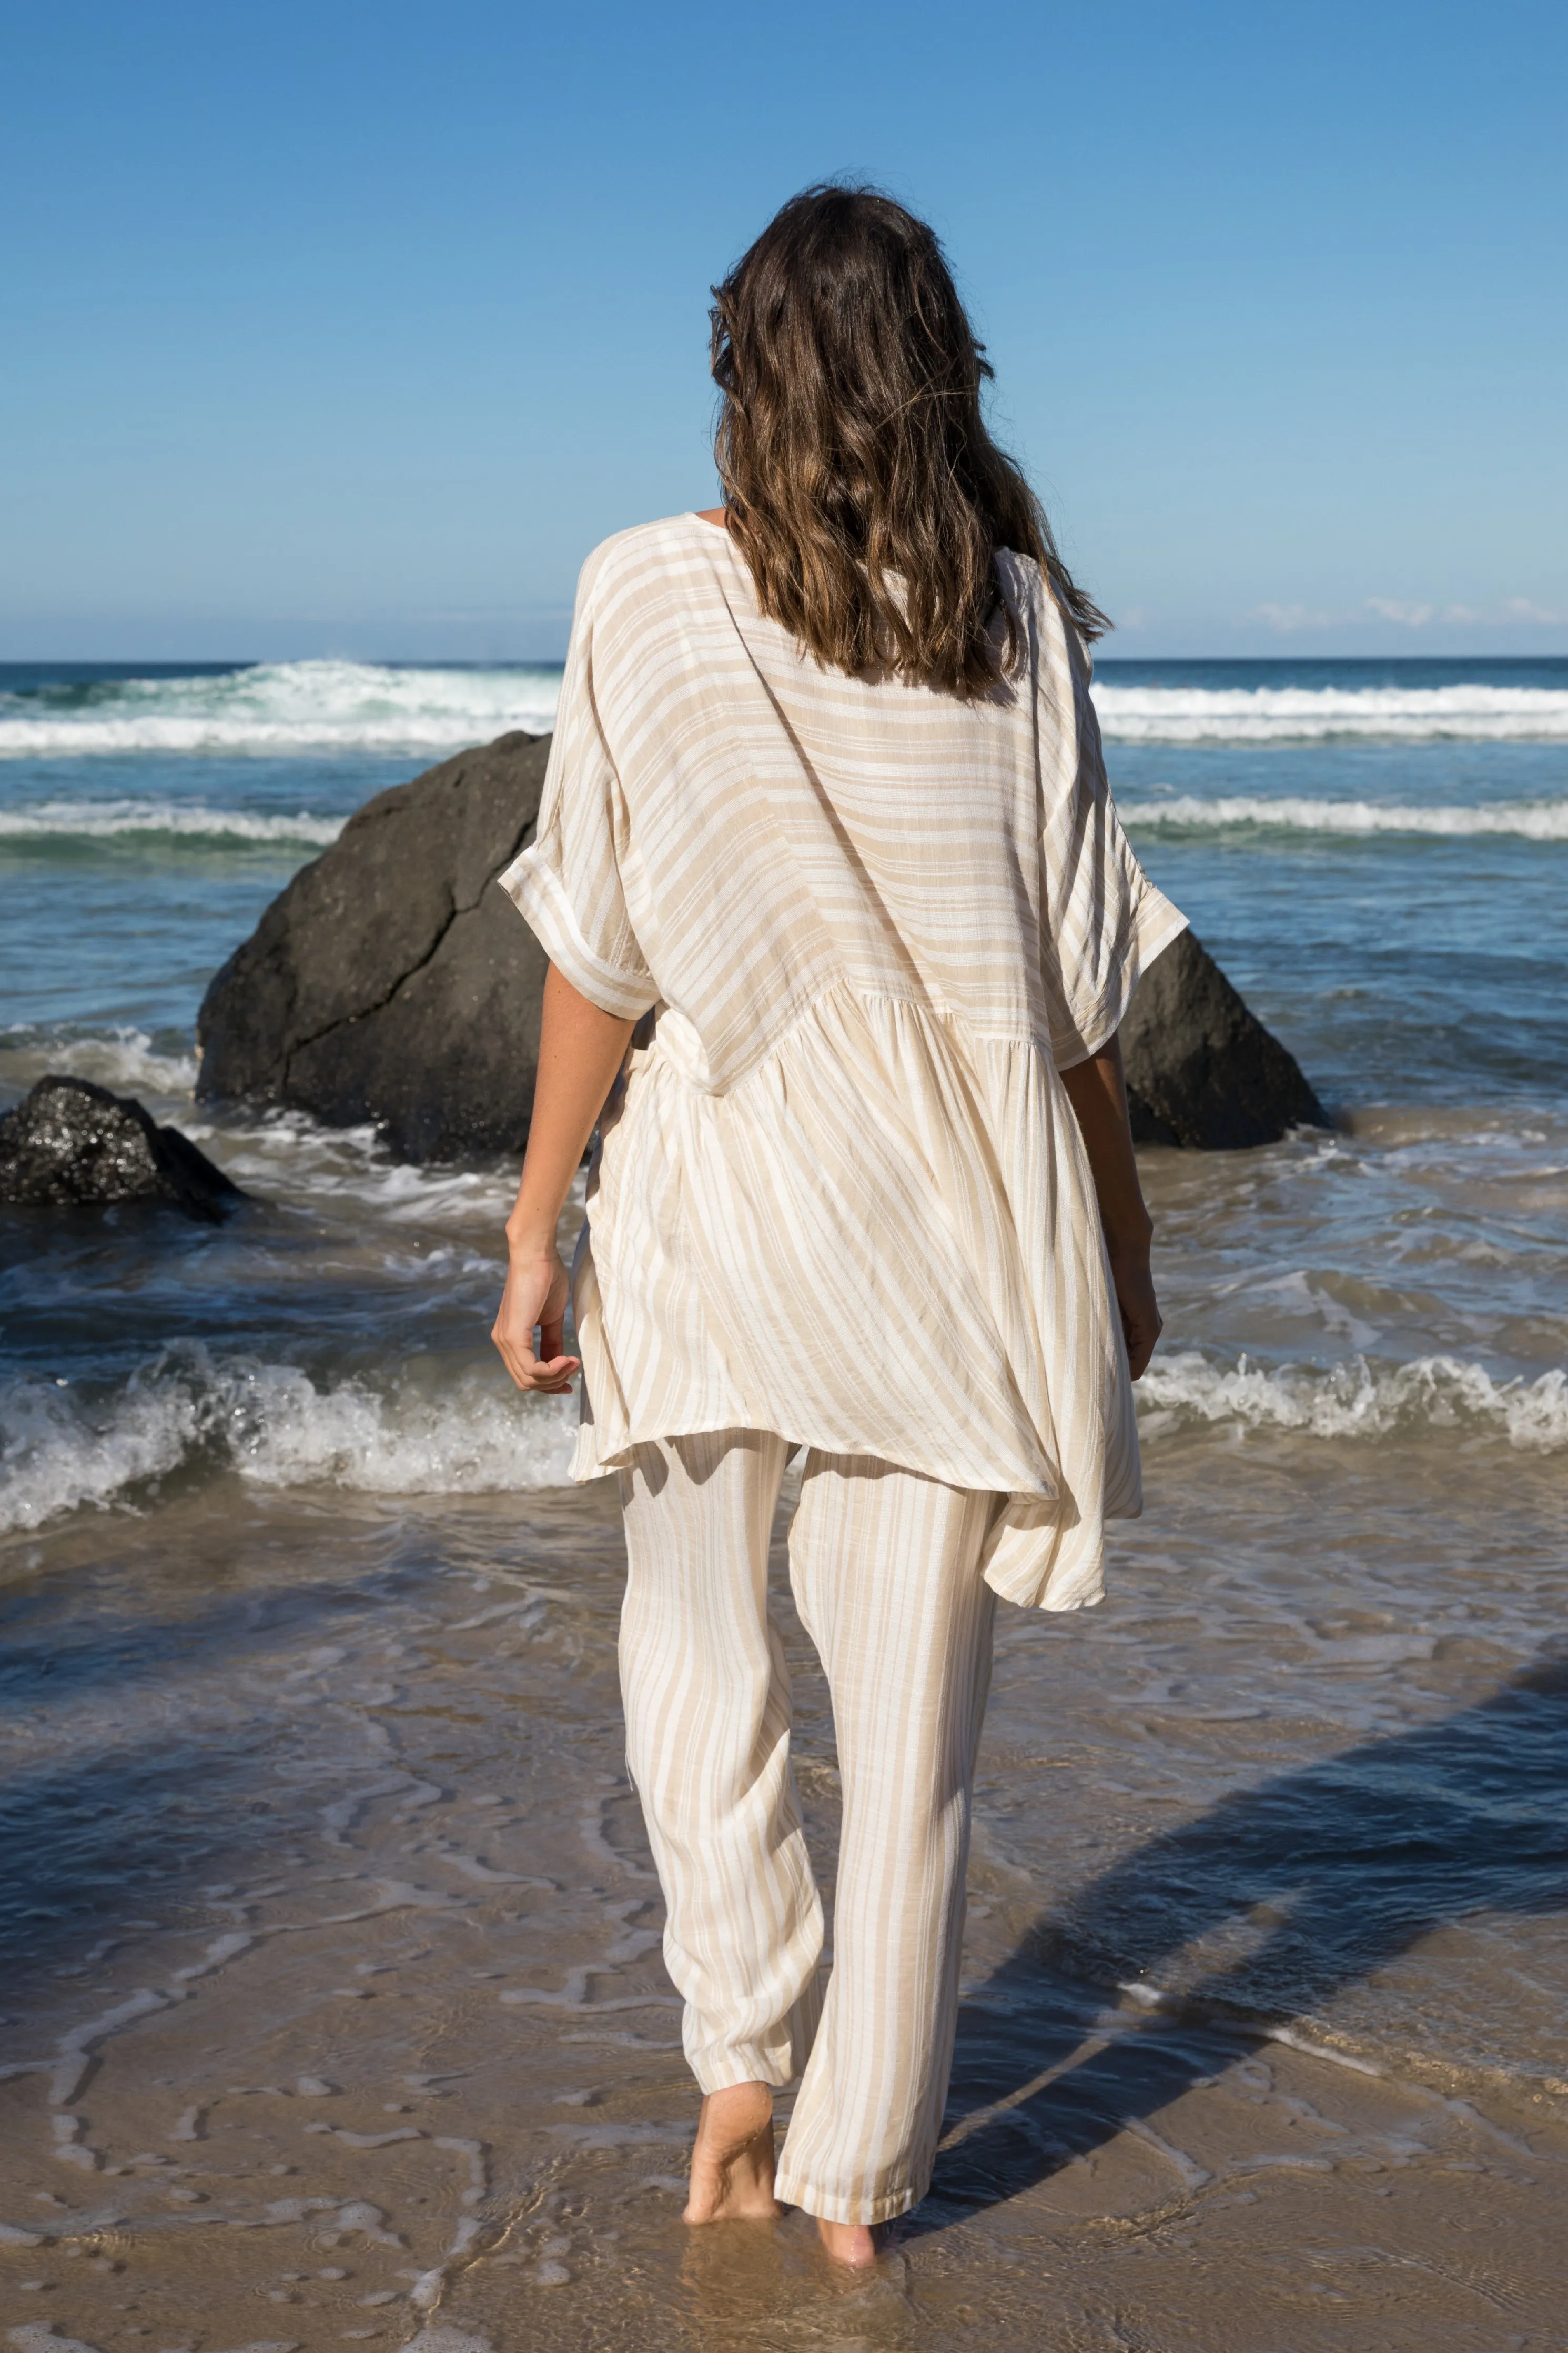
(309, 1680)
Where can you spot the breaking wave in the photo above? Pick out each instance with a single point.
(320, 706)
(275, 1428)
(124, 1058)
(281, 707)
(1354, 1401)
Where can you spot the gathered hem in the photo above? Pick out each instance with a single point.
(589, 1462)
(1030, 1559)
(746, 2063)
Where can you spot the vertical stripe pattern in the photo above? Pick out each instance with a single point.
(869, 924)
(886, 1568)
(708, 1702)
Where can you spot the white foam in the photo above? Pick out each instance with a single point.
(163, 819)
(479, 1439)
(55, 1458)
(274, 1426)
(289, 1155)
(277, 1428)
(1276, 714)
(1354, 1401)
(124, 1058)
(1532, 820)
(197, 823)
(281, 707)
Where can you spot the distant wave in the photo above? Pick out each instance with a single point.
(195, 823)
(1278, 714)
(162, 820)
(281, 707)
(1535, 821)
(317, 706)
(275, 1428)
(1355, 1400)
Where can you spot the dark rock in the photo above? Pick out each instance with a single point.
(69, 1142)
(389, 983)
(1201, 1070)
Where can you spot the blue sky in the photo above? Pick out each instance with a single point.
(339, 328)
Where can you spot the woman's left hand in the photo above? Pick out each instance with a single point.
(534, 1299)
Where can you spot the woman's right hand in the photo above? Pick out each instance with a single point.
(1141, 1320)
(534, 1299)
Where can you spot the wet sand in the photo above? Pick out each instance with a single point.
(335, 2010)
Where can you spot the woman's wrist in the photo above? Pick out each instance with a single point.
(1131, 1245)
(529, 1241)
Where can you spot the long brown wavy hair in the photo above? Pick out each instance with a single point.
(860, 482)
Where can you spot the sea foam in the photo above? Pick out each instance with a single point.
(124, 1058)
(1355, 1400)
(324, 706)
(194, 825)
(283, 707)
(1277, 714)
(1190, 812)
(163, 820)
(276, 1428)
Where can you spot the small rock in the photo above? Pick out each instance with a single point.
(70, 1143)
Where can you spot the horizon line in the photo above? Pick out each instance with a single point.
(557, 661)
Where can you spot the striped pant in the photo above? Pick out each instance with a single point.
(885, 1567)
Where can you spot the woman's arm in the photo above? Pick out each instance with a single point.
(1097, 1095)
(580, 1051)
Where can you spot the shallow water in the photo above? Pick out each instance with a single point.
(333, 1946)
(334, 2005)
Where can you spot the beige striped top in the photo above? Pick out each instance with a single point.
(841, 1194)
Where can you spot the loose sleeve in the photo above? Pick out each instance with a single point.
(1103, 920)
(568, 882)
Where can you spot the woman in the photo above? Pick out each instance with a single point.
(830, 880)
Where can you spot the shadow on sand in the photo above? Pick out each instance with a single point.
(1339, 1868)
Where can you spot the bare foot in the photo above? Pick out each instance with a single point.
(851, 2244)
(732, 2163)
